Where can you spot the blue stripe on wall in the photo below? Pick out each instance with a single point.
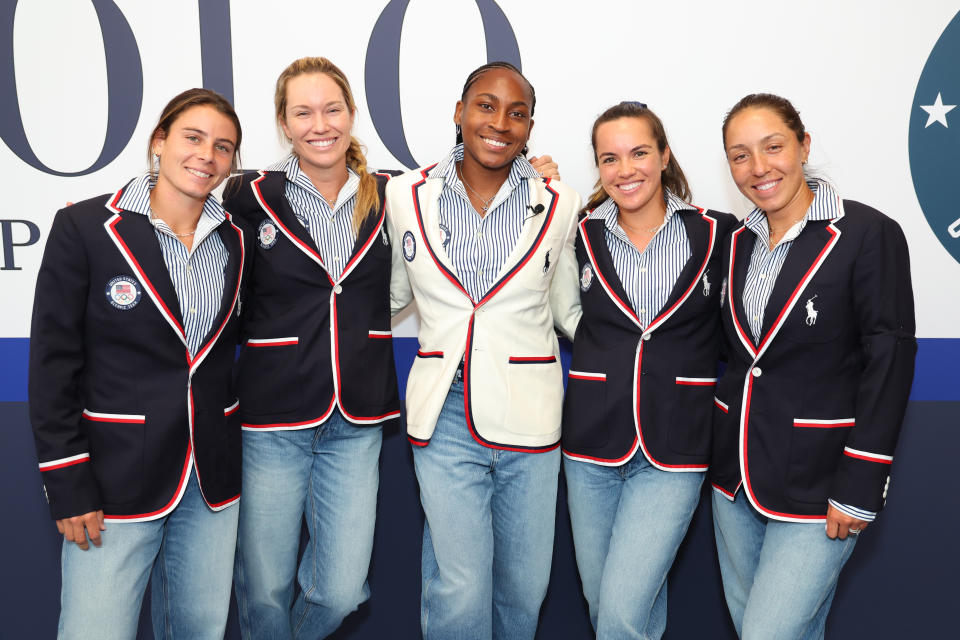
(938, 364)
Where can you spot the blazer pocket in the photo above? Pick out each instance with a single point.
(116, 450)
(535, 395)
(692, 416)
(816, 446)
(585, 402)
(266, 382)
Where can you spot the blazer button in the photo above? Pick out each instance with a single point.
(757, 372)
(338, 289)
(646, 336)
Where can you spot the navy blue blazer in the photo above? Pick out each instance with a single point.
(650, 389)
(121, 412)
(814, 410)
(312, 343)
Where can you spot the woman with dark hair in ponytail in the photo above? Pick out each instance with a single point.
(639, 403)
(488, 248)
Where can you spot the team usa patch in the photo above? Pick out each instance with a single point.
(445, 234)
(123, 292)
(267, 234)
(586, 277)
(409, 246)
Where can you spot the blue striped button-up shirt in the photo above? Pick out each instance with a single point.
(331, 229)
(647, 276)
(765, 265)
(197, 273)
(479, 246)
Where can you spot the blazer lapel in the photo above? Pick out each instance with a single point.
(426, 197)
(233, 241)
(270, 188)
(595, 241)
(136, 239)
(700, 234)
(742, 240)
(808, 250)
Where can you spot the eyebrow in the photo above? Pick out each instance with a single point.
(636, 148)
(764, 139)
(204, 134)
(495, 98)
(325, 104)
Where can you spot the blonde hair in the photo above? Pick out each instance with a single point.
(368, 200)
(672, 177)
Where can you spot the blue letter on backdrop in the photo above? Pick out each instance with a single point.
(382, 69)
(124, 88)
(216, 48)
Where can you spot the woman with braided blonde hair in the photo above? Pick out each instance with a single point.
(316, 377)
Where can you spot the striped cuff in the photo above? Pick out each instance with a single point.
(859, 514)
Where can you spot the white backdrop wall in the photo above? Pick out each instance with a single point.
(851, 68)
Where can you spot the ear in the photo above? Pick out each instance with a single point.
(666, 157)
(282, 121)
(156, 145)
(530, 130)
(458, 113)
(805, 146)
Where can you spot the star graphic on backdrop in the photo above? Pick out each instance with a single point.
(938, 111)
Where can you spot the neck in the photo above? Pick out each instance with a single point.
(327, 181)
(647, 217)
(180, 211)
(486, 181)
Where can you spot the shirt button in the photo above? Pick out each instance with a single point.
(338, 289)
(642, 311)
(189, 267)
(643, 269)
(762, 276)
(757, 372)
(193, 309)
(756, 318)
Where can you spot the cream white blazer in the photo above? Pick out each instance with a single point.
(513, 383)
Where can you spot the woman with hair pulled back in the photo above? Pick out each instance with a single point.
(133, 410)
(639, 402)
(819, 329)
(487, 244)
(316, 377)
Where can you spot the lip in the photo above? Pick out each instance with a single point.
(767, 186)
(494, 144)
(194, 172)
(630, 187)
(322, 144)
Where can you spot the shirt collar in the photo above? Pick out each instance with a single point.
(136, 198)
(290, 167)
(608, 211)
(825, 206)
(520, 170)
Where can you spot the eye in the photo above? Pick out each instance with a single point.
(520, 115)
(738, 157)
(606, 160)
(486, 106)
(193, 138)
(222, 148)
(335, 110)
(775, 148)
(640, 154)
(301, 114)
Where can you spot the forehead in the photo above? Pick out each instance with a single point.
(314, 87)
(755, 122)
(208, 119)
(624, 132)
(505, 84)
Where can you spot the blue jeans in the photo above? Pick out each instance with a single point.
(628, 522)
(488, 536)
(779, 578)
(328, 474)
(190, 556)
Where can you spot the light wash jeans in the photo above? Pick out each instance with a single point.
(330, 475)
(779, 578)
(190, 556)
(488, 536)
(628, 522)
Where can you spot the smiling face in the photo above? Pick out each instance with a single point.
(630, 165)
(495, 119)
(318, 121)
(197, 151)
(766, 161)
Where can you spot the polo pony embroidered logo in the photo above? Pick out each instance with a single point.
(546, 261)
(811, 313)
(723, 292)
(706, 284)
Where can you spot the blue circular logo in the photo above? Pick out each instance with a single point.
(935, 139)
(409, 246)
(123, 292)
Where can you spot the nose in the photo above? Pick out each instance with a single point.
(500, 120)
(625, 169)
(758, 164)
(320, 122)
(206, 150)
